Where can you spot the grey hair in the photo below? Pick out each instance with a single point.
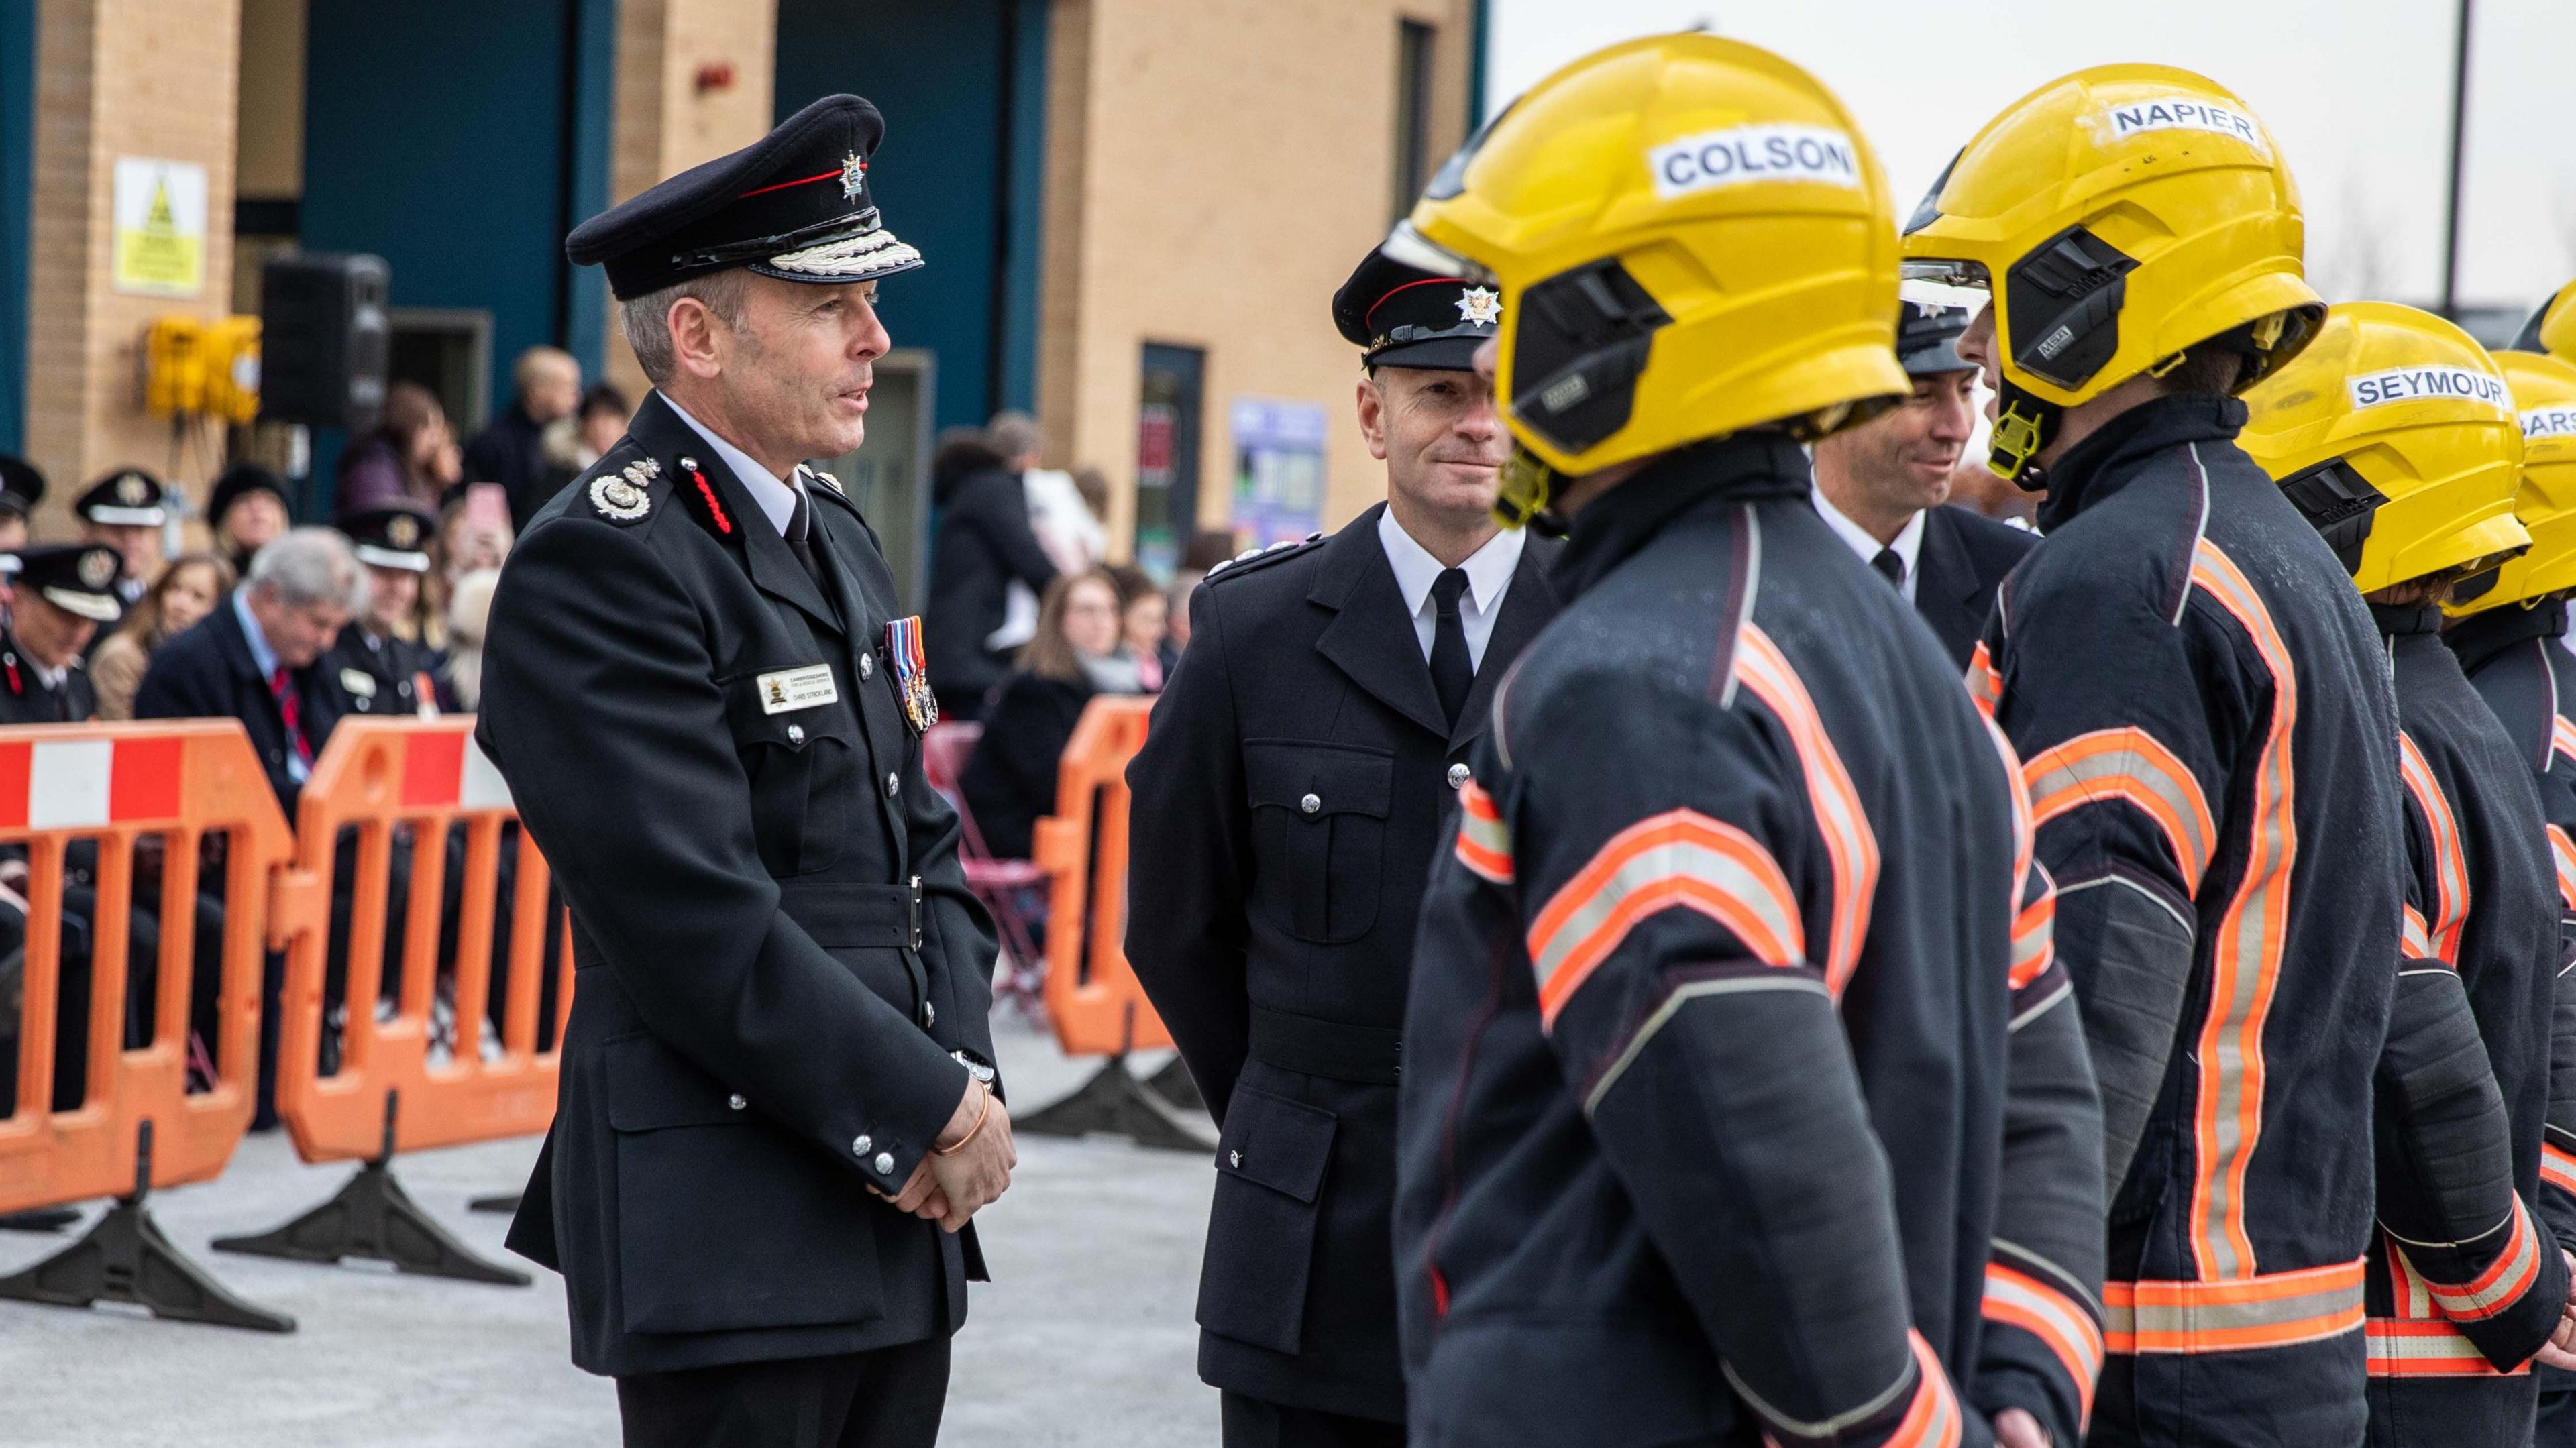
(1015, 434)
(306, 566)
(646, 320)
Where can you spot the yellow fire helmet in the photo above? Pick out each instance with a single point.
(2544, 390)
(2396, 436)
(1690, 237)
(2552, 329)
(2118, 217)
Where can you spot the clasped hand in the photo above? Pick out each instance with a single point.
(952, 1187)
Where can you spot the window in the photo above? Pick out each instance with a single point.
(1413, 46)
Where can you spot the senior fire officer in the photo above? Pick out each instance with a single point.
(1288, 802)
(776, 1090)
(1882, 485)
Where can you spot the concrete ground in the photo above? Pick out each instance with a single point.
(1085, 1338)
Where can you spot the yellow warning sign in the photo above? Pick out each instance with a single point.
(160, 213)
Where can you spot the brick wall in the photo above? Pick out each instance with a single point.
(1216, 168)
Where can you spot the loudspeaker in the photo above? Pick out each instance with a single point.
(323, 339)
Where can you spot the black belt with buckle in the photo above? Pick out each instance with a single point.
(1335, 1050)
(855, 917)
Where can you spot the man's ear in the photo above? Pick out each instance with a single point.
(1372, 410)
(695, 346)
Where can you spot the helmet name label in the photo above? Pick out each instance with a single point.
(1743, 154)
(2415, 384)
(2549, 422)
(2182, 113)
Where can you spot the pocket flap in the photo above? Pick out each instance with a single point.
(1339, 778)
(751, 698)
(650, 1087)
(1275, 1142)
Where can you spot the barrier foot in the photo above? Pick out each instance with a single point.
(125, 1258)
(507, 1204)
(373, 1217)
(39, 1219)
(1114, 1103)
(1177, 1086)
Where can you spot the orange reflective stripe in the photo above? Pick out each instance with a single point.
(2558, 1168)
(2250, 1312)
(2406, 1349)
(2246, 960)
(1849, 844)
(1932, 1419)
(1985, 686)
(2412, 936)
(1484, 844)
(2058, 1321)
(1680, 859)
(2501, 1285)
(2034, 940)
(2562, 737)
(2450, 866)
(2130, 766)
(2562, 852)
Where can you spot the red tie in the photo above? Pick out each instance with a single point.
(289, 713)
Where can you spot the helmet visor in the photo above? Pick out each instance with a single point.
(1413, 249)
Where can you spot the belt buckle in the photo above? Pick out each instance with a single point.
(912, 913)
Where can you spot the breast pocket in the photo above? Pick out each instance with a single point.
(803, 765)
(1318, 835)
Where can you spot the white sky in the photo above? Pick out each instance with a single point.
(2357, 93)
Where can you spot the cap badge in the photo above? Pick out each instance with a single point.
(402, 531)
(619, 499)
(97, 569)
(854, 176)
(1482, 306)
(133, 491)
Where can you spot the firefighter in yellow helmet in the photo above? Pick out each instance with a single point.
(2552, 329)
(2505, 628)
(1738, 972)
(2192, 681)
(2395, 435)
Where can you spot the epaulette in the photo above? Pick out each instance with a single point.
(1252, 560)
(697, 498)
(625, 495)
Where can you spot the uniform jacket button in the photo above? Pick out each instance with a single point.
(929, 1014)
(1311, 803)
(893, 785)
(1457, 775)
(736, 1102)
(885, 1163)
(867, 665)
(860, 1147)
(795, 733)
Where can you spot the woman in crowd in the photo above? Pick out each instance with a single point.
(188, 589)
(1143, 625)
(411, 454)
(1010, 781)
(246, 509)
(468, 542)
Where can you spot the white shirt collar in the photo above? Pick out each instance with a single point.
(1489, 569)
(1908, 543)
(777, 499)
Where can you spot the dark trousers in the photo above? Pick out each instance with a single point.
(890, 1398)
(2557, 1425)
(1255, 1423)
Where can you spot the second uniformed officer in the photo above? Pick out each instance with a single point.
(775, 1088)
(1287, 806)
(375, 668)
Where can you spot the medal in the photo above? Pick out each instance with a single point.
(903, 654)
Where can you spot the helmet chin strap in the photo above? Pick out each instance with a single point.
(1527, 497)
(2024, 427)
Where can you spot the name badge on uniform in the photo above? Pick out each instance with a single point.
(358, 682)
(911, 666)
(807, 688)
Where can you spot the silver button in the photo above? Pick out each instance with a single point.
(736, 1102)
(1235, 1158)
(893, 784)
(867, 666)
(860, 1146)
(1310, 804)
(929, 1014)
(796, 735)
(885, 1163)
(1457, 775)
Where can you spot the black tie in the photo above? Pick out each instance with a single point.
(1452, 671)
(800, 541)
(1890, 566)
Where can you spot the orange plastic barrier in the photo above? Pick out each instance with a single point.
(1092, 997)
(393, 1091)
(137, 1125)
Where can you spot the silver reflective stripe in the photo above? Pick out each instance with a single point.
(1672, 1006)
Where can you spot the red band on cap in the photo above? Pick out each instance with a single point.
(1371, 316)
(832, 175)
